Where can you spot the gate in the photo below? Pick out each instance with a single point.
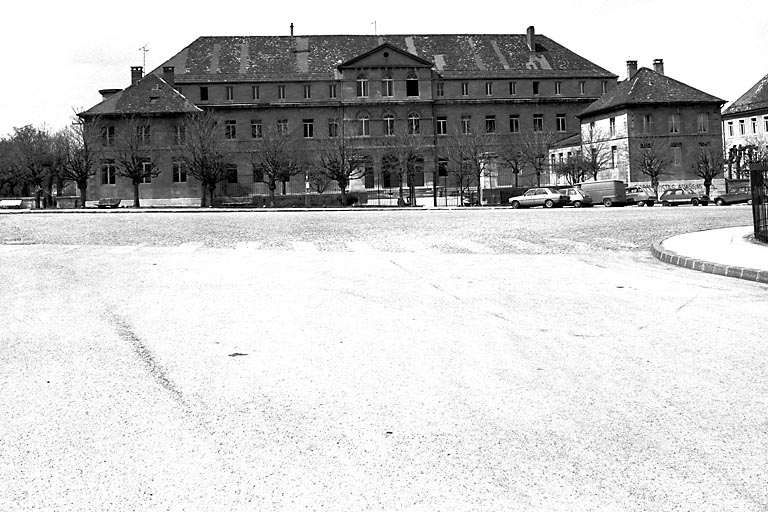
(759, 182)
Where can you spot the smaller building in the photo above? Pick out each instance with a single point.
(745, 128)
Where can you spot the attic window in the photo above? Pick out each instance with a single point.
(386, 55)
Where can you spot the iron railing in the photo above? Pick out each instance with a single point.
(759, 182)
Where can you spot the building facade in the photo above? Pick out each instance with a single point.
(745, 128)
(368, 90)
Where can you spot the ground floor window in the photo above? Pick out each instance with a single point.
(179, 172)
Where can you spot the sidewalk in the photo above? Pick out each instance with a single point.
(730, 252)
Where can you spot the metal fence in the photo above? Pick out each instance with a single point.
(759, 182)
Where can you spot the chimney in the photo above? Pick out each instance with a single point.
(169, 76)
(531, 39)
(137, 73)
(631, 68)
(108, 93)
(658, 66)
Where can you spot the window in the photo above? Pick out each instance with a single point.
(281, 92)
(333, 127)
(614, 152)
(412, 85)
(582, 87)
(108, 136)
(231, 172)
(465, 88)
(765, 124)
(513, 88)
(255, 92)
(143, 134)
(257, 132)
(538, 123)
(647, 123)
(535, 88)
(741, 127)
(146, 171)
(466, 124)
(490, 124)
(730, 128)
(558, 88)
(282, 127)
(362, 86)
(604, 86)
(489, 88)
(703, 122)
(514, 123)
(440, 89)
(230, 129)
(389, 124)
(677, 154)
(413, 124)
(307, 91)
(674, 123)
(309, 128)
(560, 122)
(387, 86)
(179, 135)
(108, 172)
(754, 124)
(179, 172)
(332, 90)
(204, 94)
(441, 127)
(364, 126)
(612, 127)
(230, 92)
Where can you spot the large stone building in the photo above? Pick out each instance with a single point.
(362, 87)
(745, 127)
(650, 114)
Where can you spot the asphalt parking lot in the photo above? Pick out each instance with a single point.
(431, 360)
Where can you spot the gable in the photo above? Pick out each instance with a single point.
(386, 56)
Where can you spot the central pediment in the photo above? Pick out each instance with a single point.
(386, 56)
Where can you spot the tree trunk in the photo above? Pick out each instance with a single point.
(211, 190)
(400, 200)
(272, 187)
(203, 195)
(136, 202)
(38, 192)
(343, 196)
(707, 186)
(83, 186)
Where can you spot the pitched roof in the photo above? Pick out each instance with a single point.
(317, 56)
(150, 95)
(647, 87)
(756, 98)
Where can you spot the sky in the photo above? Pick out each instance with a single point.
(57, 55)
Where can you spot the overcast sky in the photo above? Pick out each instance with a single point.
(57, 55)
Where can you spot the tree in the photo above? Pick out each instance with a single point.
(709, 163)
(652, 158)
(470, 153)
(514, 158)
(80, 144)
(534, 147)
(574, 169)
(274, 160)
(133, 156)
(10, 176)
(204, 155)
(33, 156)
(341, 162)
(595, 151)
(401, 154)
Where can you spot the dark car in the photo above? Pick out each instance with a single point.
(735, 196)
(677, 196)
(640, 196)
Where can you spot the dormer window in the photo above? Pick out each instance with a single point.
(412, 85)
(362, 86)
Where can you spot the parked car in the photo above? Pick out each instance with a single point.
(541, 196)
(608, 192)
(735, 196)
(676, 196)
(640, 196)
(577, 197)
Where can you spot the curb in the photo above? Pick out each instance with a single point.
(671, 257)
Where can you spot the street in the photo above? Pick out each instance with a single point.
(364, 360)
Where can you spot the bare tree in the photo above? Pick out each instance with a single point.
(709, 163)
(513, 157)
(274, 160)
(341, 162)
(595, 151)
(81, 149)
(401, 154)
(534, 147)
(204, 154)
(134, 156)
(33, 156)
(470, 151)
(652, 158)
(10, 177)
(573, 169)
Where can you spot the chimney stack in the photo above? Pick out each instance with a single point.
(169, 76)
(631, 68)
(137, 73)
(108, 93)
(531, 39)
(658, 66)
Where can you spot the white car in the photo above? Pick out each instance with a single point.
(540, 196)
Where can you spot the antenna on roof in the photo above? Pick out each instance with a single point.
(374, 27)
(144, 49)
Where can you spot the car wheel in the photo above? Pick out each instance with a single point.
(720, 202)
(515, 204)
(577, 204)
(607, 202)
(549, 203)
(649, 203)
(695, 202)
(704, 203)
